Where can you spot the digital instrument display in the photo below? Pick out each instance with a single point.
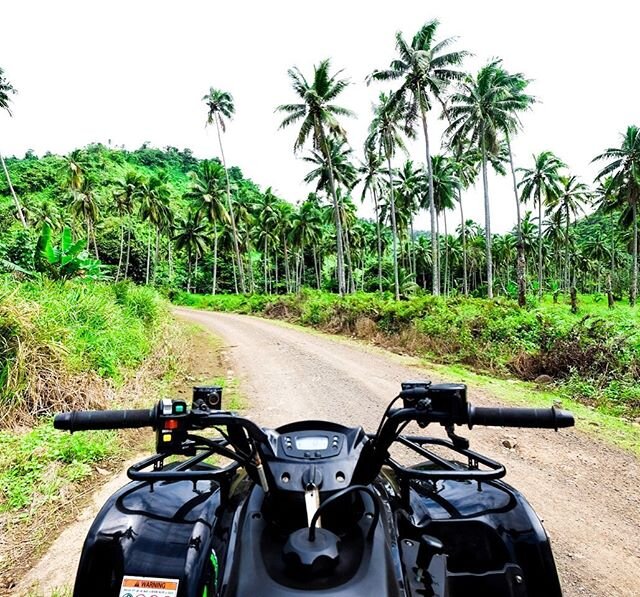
(320, 442)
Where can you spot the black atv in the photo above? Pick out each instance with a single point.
(316, 508)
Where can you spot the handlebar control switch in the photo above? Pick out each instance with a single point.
(171, 429)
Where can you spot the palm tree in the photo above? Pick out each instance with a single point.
(568, 203)
(319, 114)
(465, 164)
(542, 184)
(624, 169)
(154, 208)
(445, 184)
(7, 90)
(127, 192)
(425, 68)
(516, 100)
(220, 106)
(191, 236)
(344, 172)
(385, 136)
(478, 113)
(206, 193)
(84, 207)
(267, 218)
(370, 173)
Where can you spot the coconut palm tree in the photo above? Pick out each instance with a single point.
(6, 91)
(465, 162)
(624, 168)
(569, 203)
(220, 107)
(154, 208)
(385, 137)
(207, 195)
(445, 184)
(542, 184)
(370, 177)
(478, 114)
(426, 68)
(84, 207)
(127, 193)
(318, 115)
(191, 237)
(516, 100)
(344, 172)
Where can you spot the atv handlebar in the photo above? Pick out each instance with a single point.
(105, 419)
(540, 418)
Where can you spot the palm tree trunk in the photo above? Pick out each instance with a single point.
(465, 283)
(520, 264)
(126, 266)
(195, 274)
(446, 254)
(214, 284)
(287, 272)
(316, 269)
(265, 264)
(394, 231)
(149, 257)
(347, 246)
(634, 276)
(236, 246)
(121, 251)
(432, 210)
(379, 238)
(13, 193)
(189, 272)
(336, 209)
(540, 276)
(487, 221)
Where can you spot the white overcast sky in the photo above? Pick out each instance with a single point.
(135, 71)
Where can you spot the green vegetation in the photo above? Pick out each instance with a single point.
(593, 357)
(54, 336)
(35, 466)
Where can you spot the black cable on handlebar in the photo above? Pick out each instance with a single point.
(337, 496)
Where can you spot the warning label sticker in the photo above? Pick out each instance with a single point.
(143, 586)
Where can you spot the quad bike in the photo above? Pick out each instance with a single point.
(316, 508)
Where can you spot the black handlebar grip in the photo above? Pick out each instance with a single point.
(104, 419)
(542, 418)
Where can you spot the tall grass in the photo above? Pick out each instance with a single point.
(59, 340)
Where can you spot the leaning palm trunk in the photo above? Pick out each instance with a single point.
(13, 192)
(540, 275)
(487, 221)
(148, 271)
(316, 268)
(432, 210)
(236, 246)
(634, 275)
(378, 234)
(394, 231)
(336, 210)
(121, 252)
(465, 283)
(214, 281)
(520, 264)
(126, 265)
(347, 247)
(446, 254)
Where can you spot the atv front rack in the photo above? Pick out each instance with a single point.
(447, 469)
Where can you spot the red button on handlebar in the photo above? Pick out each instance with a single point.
(171, 424)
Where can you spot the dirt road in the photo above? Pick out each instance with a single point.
(585, 491)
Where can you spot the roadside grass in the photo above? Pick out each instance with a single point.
(70, 343)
